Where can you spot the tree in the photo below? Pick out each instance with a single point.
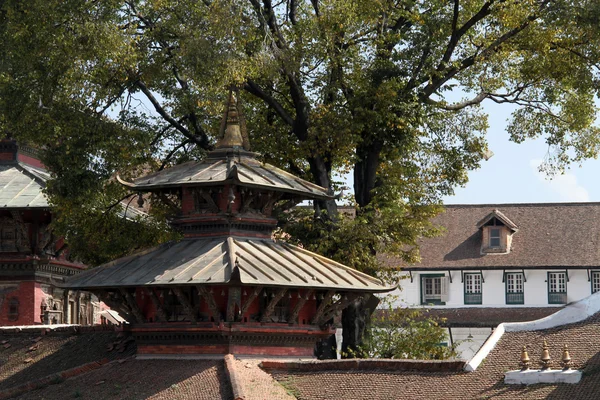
(330, 86)
(406, 333)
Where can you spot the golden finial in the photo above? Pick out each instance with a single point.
(232, 132)
(524, 359)
(545, 361)
(566, 359)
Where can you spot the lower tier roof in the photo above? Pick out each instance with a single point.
(195, 261)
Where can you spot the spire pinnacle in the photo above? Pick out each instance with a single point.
(233, 132)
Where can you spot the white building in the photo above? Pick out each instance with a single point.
(505, 263)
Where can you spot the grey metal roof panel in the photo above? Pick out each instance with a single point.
(213, 261)
(244, 169)
(21, 186)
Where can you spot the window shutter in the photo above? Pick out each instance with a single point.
(423, 301)
(445, 289)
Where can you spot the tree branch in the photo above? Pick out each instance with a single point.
(469, 61)
(253, 88)
(201, 140)
(173, 151)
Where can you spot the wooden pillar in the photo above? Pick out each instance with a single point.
(66, 307)
(184, 301)
(160, 312)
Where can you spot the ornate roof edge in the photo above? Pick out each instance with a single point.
(499, 215)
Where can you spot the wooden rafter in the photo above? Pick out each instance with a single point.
(135, 309)
(185, 302)
(336, 307)
(210, 300)
(119, 306)
(272, 304)
(248, 197)
(253, 295)
(160, 312)
(298, 307)
(323, 306)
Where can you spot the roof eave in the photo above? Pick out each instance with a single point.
(153, 187)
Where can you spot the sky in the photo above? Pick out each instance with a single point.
(511, 175)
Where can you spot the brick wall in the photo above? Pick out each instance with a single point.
(25, 294)
(34, 162)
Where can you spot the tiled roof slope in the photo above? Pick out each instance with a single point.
(487, 381)
(549, 235)
(29, 356)
(487, 316)
(145, 379)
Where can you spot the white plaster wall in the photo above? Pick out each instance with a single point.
(467, 347)
(536, 289)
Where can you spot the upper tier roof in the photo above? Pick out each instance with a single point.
(230, 163)
(214, 261)
(21, 186)
(229, 166)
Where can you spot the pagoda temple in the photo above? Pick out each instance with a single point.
(33, 261)
(228, 286)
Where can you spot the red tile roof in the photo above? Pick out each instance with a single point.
(145, 379)
(549, 235)
(29, 356)
(487, 316)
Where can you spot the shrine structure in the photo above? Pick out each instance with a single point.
(33, 261)
(227, 286)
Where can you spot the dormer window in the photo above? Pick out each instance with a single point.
(497, 231)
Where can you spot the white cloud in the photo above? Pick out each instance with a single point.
(565, 185)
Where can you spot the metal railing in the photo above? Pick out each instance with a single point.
(515, 298)
(557, 298)
(473, 298)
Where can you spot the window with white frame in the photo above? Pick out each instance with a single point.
(434, 289)
(557, 288)
(514, 288)
(473, 292)
(595, 281)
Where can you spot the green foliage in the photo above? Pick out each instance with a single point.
(329, 87)
(405, 333)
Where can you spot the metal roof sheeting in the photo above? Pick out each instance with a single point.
(212, 261)
(21, 186)
(221, 166)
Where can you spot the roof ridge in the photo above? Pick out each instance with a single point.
(581, 203)
(26, 169)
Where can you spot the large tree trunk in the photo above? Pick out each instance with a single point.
(321, 171)
(355, 319)
(365, 171)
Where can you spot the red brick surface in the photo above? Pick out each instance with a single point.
(25, 293)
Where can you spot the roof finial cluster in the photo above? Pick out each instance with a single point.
(233, 133)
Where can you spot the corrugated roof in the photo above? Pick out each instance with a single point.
(555, 235)
(21, 186)
(228, 165)
(213, 261)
